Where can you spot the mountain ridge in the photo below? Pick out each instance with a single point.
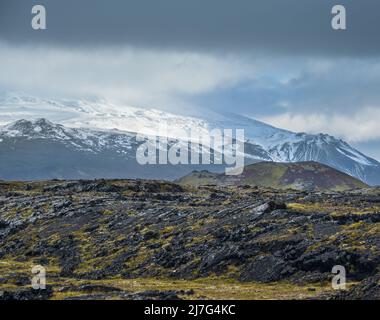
(124, 145)
(42, 150)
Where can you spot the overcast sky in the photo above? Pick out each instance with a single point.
(275, 60)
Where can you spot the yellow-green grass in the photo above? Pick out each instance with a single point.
(209, 288)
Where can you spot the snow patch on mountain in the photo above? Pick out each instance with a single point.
(82, 139)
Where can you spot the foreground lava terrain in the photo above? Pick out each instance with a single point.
(130, 239)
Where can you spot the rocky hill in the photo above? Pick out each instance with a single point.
(134, 239)
(299, 176)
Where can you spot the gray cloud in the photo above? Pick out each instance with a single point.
(339, 96)
(278, 26)
(277, 60)
(303, 85)
(141, 77)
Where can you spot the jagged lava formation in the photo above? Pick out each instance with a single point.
(132, 239)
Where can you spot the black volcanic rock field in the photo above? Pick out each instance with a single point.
(131, 239)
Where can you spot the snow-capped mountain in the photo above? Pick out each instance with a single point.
(79, 139)
(286, 146)
(39, 149)
(100, 127)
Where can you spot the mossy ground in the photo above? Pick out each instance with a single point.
(213, 288)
